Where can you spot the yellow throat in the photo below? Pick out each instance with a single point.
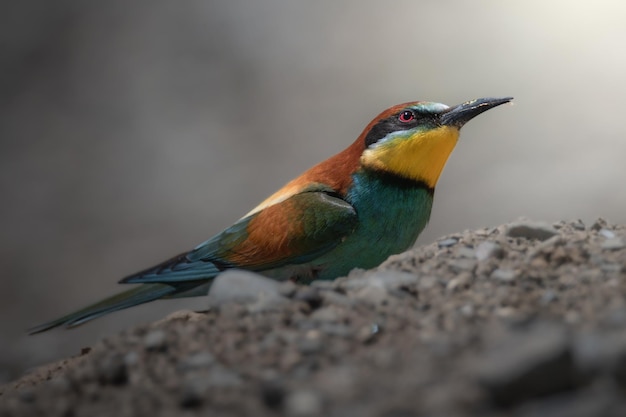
(420, 156)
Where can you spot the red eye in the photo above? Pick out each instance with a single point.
(406, 116)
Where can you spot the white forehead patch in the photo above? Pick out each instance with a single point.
(432, 107)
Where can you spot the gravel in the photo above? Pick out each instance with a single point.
(523, 320)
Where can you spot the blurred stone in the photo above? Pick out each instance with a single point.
(599, 224)
(611, 267)
(309, 295)
(591, 402)
(325, 314)
(223, 377)
(382, 279)
(335, 329)
(467, 310)
(368, 334)
(531, 230)
(27, 395)
(372, 295)
(323, 284)
(545, 246)
(155, 340)
(462, 264)
(303, 403)
(465, 252)
(609, 234)
(193, 391)
(597, 352)
(333, 297)
(461, 281)
(427, 282)
(528, 364)
(287, 288)
(131, 358)
(183, 315)
(578, 225)
(504, 275)
(196, 361)
(246, 287)
(613, 243)
(112, 370)
(273, 394)
(615, 318)
(548, 296)
(446, 243)
(488, 249)
(311, 342)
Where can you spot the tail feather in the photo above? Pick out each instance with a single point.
(139, 295)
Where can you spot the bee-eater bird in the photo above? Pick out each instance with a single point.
(353, 210)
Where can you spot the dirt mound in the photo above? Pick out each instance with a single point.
(526, 319)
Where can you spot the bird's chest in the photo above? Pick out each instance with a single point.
(390, 218)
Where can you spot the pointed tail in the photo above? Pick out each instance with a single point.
(138, 295)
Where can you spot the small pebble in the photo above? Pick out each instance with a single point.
(578, 225)
(367, 334)
(323, 285)
(616, 318)
(446, 243)
(197, 360)
(613, 243)
(224, 377)
(488, 249)
(531, 230)
(527, 364)
(607, 233)
(303, 403)
(333, 297)
(465, 252)
(193, 391)
(482, 232)
(463, 264)
(372, 295)
(311, 343)
(336, 329)
(245, 287)
(599, 224)
(382, 279)
(467, 310)
(27, 395)
(131, 358)
(287, 288)
(112, 370)
(611, 267)
(572, 317)
(310, 295)
(325, 314)
(273, 394)
(460, 281)
(427, 282)
(155, 340)
(548, 296)
(504, 275)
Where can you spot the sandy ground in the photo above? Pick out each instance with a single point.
(526, 319)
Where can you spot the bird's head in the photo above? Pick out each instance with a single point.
(414, 140)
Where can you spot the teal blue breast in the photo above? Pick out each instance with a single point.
(392, 213)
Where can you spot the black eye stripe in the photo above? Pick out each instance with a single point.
(394, 124)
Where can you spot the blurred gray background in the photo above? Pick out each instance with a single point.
(131, 131)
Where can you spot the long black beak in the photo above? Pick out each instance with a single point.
(459, 115)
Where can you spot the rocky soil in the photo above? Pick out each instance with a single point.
(525, 320)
